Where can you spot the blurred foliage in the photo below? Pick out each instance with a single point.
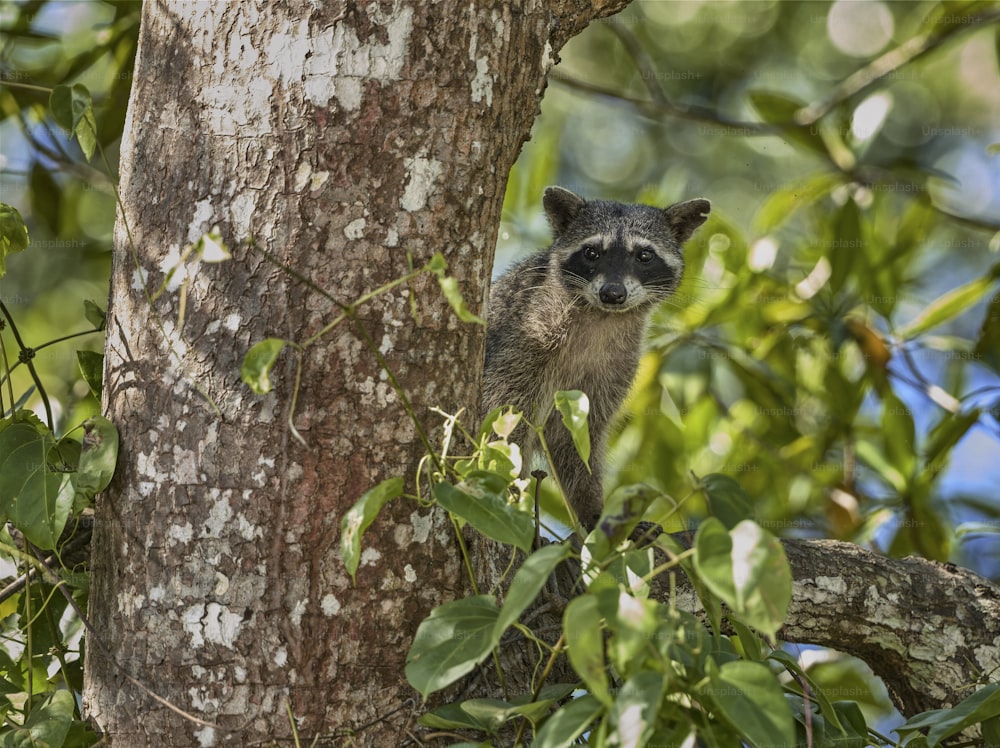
(67, 201)
(53, 55)
(835, 345)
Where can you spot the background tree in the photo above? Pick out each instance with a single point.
(797, 359)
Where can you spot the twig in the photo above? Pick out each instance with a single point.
(892, 60)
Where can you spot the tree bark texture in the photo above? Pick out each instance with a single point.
(931, 631)
(338, 138)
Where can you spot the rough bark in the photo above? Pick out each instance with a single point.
(339, 138)
(929, 630)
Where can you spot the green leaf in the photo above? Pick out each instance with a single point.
(69, 105)
(437, 264)
(782, 204)
(713, 561)
(86, 134)
(816, 693)
(846, 250)
(98, 458)
(488, 714)
(780, 109)
(13, 235)
(899, 434)
(623, 510)
(449, 287)
(852, 722)
(574, 407)
(948, 306)
(489, 513)
(747, 568)
(46, 198)
(360, 516)
(257, 364)
(748, 695)
(775, 108)
(727, 500)
(72, 109)
(46, 725)
(947, 433)
(983, 705)
(33, 495)
(569, 723)
(987, 347)
(991, 731)
(451, 642)
(528, 582)
(92, 369)
(585, 645)
(976, 528)
(636, 707)
(875, 458)
(95, 315)
(453, 717)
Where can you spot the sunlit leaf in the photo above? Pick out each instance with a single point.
(487, 511)
(747, 568)
(949, 305)
(574, 407)
(636, 707)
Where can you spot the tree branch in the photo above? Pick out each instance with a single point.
(931, 631)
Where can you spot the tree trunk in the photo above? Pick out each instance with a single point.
(338, 138)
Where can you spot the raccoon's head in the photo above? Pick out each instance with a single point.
(618, 257)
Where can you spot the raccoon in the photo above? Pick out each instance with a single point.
(573, 317)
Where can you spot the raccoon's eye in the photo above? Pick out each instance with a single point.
(644, 255)
(591, 252)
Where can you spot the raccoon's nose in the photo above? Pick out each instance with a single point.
(613, 293)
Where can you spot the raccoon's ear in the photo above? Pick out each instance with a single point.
(561, 206)
(685, 217)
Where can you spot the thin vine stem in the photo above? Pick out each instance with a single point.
(31, 367)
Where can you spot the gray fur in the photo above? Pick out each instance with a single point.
(550, 330)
